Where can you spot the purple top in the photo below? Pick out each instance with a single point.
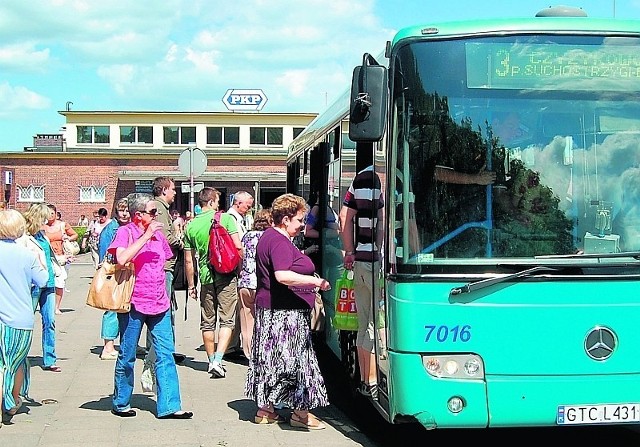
(276, 252)
(149, 292)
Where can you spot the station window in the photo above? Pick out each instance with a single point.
(136, 134)
(179, 135)
(347, 144)
(270, 136)
(93, 194)
(223, 135)
(31, 193)
(93, 134)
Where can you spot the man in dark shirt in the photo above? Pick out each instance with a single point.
(360, 218)
(164, 192)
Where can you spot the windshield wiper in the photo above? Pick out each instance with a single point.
(478, 285)
(629, 254)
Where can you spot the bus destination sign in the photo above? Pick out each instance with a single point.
(553, 67)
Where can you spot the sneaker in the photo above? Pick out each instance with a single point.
(216, 370)
(369, 390)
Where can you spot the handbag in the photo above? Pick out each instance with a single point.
(70, 248)
(112, 286)
(346, 315)
(58, 268)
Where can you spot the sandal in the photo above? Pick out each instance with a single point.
(113, 355)
(52, 368)
(266, 417)
(312, 422)
(13, 410)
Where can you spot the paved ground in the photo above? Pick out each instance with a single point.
(73, 407)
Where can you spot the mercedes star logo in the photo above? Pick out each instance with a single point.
(600, 343)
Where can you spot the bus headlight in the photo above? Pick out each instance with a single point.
(451, 367)
(458, 366)
(472, 367)
(455, 404)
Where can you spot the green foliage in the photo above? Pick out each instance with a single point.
(81, 231)
(527, 218)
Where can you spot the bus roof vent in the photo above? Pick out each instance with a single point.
(562, 11)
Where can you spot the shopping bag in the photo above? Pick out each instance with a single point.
(317, 312)
(346, 316)
(70, 248)
(112, 286)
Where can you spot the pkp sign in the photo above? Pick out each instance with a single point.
(253, 100)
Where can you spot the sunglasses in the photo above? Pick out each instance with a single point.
(152, 213)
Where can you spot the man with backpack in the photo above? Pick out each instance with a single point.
(218, 291)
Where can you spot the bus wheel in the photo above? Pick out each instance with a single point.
(349, 358)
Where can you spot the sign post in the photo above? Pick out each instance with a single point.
(192, 163)
(197, 187)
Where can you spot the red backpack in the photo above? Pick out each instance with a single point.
(223, 254)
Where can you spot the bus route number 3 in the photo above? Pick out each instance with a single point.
(443, 333)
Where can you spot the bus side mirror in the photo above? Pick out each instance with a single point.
(367, 114)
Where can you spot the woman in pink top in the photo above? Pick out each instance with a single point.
(142, 242)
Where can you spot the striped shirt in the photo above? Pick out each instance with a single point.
(364, 196)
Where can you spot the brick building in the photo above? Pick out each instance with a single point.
(102, 156)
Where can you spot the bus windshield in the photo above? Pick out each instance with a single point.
(514, 147)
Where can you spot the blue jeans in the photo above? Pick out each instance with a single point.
(109, 328)
(168, 281)
(168, 388)
(46, 299)
(168, 278)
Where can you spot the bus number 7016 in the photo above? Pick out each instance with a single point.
(443, 333)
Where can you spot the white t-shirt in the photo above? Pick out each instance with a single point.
(94, 232)
(242, 229)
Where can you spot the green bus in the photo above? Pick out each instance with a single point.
(508, 153)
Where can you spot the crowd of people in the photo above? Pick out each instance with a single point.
(262, 310)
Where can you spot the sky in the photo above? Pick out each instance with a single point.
(175, 55)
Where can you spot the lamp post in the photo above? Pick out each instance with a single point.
(191, 196)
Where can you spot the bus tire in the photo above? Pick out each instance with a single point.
(349, 358)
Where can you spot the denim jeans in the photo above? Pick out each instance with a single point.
(168, 281)
(109, 328)
(46, 299)
(168, 388)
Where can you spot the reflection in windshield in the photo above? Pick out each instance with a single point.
(566, 164)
